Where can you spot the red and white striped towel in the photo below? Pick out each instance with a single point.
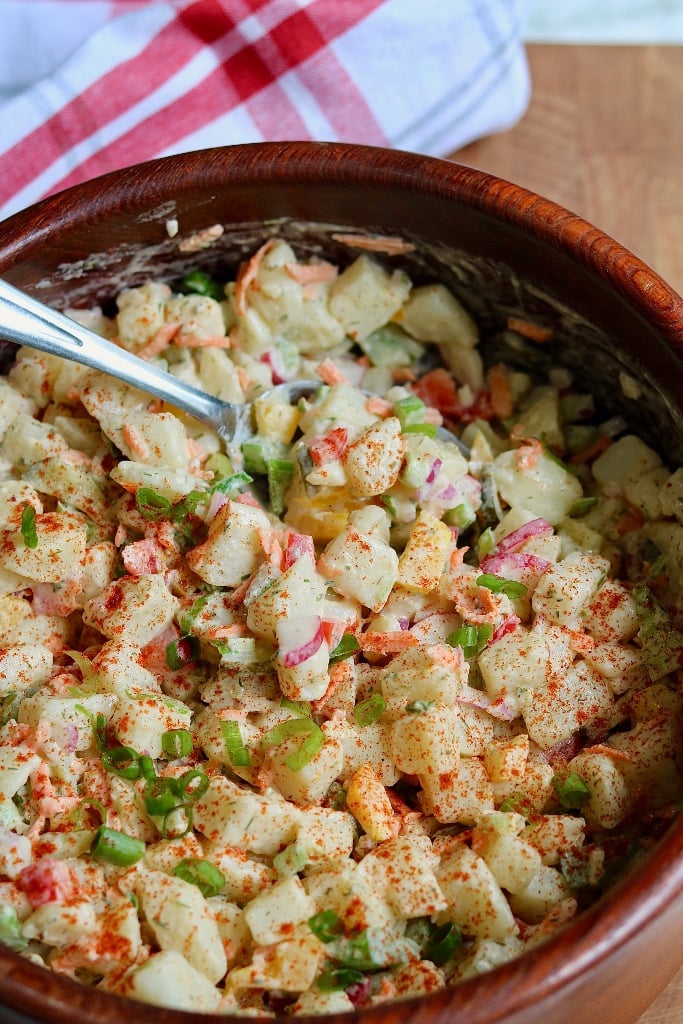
(87, 86)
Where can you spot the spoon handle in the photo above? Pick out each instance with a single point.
(27, 321)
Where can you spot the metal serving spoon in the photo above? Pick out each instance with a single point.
(29, 322)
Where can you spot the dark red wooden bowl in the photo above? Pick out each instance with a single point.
(504, 251)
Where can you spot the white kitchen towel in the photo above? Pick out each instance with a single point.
(88, 86)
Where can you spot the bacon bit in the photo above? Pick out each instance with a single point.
(612, 752)
(499, 387)
(213, 341)
(143, 556)
(589, 454)
(632, 520)
(329, 373)
(378, 406)
(330, 447)
(528, 454)
(247, 274)
(311, 273)
(403, 375)
(271, 547)
(161, 340)
(528, 329)
(135, 441)
(388, 244)
(387, 643)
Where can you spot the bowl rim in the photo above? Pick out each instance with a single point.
(644, 893)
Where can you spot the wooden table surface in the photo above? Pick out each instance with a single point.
(603, 136)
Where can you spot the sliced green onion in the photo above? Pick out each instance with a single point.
(206, 876)
(183, 508)
(581, 507)
(369, 710)
(10, 706)
(147, 769)
(186, 620)
(233, 484)
(443, 944)
(410, 410)
(191, 784)
(177, 742)
(428, 429)
(182, 651)
(203, 284)
(550, 454)
(84, 805)
(28, 526)
(10, 929)
(238, 754)
(498, 585)
(325, 925)
(151, 505)
(517, 802)
(98, 724)
(257, 452)
(338, 978)
(291, 860)
(418, 707)
(171, 830)
(122, 761)
(314, 738)
(280, 473)
(301, 708)
(347, 646)
(472, 639)
(571, 790)
(117, 847)
(159, 796)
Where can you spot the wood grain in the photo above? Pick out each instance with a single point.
(603, 136)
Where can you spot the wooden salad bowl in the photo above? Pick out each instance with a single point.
(504, 252)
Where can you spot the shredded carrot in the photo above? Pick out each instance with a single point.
(339, 674)
(192, 341)
(135, 441)
(589, 454)
(228, 630)
(378, 406)
(499, 387)
(243, 378)
(272, 549)
(194, 449)
(456, 558)
(526, 457)
(376, 243)
(72, 457)
(528, 329)
(247, 274)
(613, 752)
(387, 643)
(632, 520)
(161, 340)
(329, 373)
(311, 273)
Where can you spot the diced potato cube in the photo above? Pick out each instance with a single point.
(306, 785)
(462, 794)
(625, 461)
(540, 897)
(567, 587)
(433, 673)
(134, 607)
(506, 760)
(326, 835)
(426, 551)
(298, 592)
(373, 461)
(402, 870)
(475, 900)
(365, 296)
(612, 614)
(545, 488)
(24, 666)
(232, 550)
(512, 861)
(140, 722)
(276, 419)
(513, 665)
(62, 539)
(555, 835)
(432, 313)
(272, 914)
(569, 701)
(359, 565)
(610, 801)
(168, 979)
(426, 743)
(654, 755)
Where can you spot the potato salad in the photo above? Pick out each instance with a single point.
(350, 711)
